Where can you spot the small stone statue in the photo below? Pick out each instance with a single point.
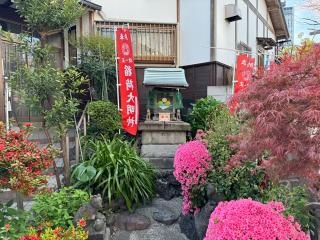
(148, 115)
(178, 115)
(96, 221)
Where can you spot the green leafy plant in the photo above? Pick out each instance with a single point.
(58, 208)
(45, 16)
(105, 118)
(295, 201)
(246, 181)
(97, 61)
(50, 92)
(115, 170)
(201, 111)
(48, 232)
(13, 222)
(40, 84)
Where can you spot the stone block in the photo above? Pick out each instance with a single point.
(177, 126)
(163, 137)
(188, 227)
(151, 126)
(167, 187)
(165, 215)
(132, 222)
(161, 163)
(201, 220)
(164, 126)
(158, 151)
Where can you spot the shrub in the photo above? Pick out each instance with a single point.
(115, 170)
(13, 222)
(105, 118)
(58, 208)
(97, 61)
(192, 162)
(200, 112)
(22, 163)
(295, 201)
(58, 233)
(247, 181)
(247, 219)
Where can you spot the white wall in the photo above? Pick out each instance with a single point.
(226, 31)
(225, 37)
(195, 39)
(157, 11)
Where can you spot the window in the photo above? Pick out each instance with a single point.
(152, 43)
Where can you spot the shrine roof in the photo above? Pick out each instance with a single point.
(165, 77)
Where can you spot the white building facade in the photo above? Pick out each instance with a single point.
(209, 41)
(197, 35)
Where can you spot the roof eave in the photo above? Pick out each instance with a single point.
(278, 19)
(91, 5)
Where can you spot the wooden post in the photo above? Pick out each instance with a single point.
(68, 147)
(67, 156)
(2, 94)
(19, 199)
(77, 146)
(85, 126)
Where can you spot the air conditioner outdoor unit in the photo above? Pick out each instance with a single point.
(232, 12)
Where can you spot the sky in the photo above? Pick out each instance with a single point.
(300, 26)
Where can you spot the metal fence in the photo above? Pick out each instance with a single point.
(11, 56)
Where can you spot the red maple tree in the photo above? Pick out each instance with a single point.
(282, 111)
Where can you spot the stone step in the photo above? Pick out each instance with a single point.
(8, 195)
(40, 137)
(161, 163)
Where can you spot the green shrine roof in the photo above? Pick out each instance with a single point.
(165, 77)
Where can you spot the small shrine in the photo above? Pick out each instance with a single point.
(163, 130)
(164, 96)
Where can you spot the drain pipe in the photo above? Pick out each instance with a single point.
(213, 28)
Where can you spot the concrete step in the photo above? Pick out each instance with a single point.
(38, 135)
(8, 195)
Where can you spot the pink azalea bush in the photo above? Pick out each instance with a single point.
(192, 162)
(246, 219)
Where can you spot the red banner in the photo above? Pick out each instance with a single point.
(128, 83)
(244, 71)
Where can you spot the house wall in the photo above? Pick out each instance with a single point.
(195, 31)
(196, 37)
(255, 23)
(159, 11)
(203, 25)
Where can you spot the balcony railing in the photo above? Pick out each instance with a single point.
(152, 43)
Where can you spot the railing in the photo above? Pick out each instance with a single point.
(152, 43)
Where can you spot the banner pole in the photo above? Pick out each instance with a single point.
(234, 73)
(117, 75)
(116, 58)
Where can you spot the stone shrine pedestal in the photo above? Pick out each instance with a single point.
(160, 141)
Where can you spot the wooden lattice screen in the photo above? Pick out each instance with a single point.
(152, 43)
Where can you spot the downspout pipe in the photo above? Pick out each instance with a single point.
(213, 27)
